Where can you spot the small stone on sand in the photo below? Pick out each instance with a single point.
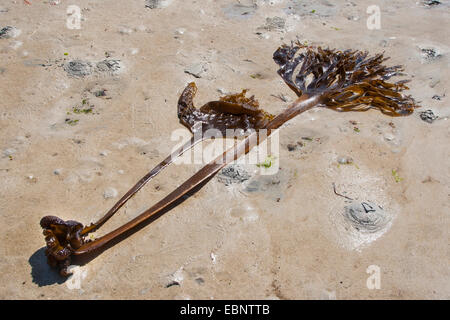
(110, 193)
(195, 70)
(9, 32)
(157, 4)
(428, 116)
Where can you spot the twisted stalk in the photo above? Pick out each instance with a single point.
(302, 104)
(235, 111)
(141, 183)
(338, 80)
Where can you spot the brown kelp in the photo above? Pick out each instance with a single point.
(344, 80)
(338, 80)
(235, 112)
(231, 112)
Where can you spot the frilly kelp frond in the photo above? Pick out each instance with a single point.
(346, 80)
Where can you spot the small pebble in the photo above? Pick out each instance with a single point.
(213, 257)
(134, 51)
(389, 137)
(344, 160)
(180, 31)
(125, 30)
(9, 32)
(110, 193)
(353, 18)
(195, 70)
(263, 35)
(428, 116)
(109, 54)
(222, 91)
(157, 4)
(292, 147)
(9, 152)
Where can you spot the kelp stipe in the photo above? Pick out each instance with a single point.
(235, 111)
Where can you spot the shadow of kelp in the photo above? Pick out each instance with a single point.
(41, 272)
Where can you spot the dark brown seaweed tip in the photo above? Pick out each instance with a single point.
(234, 111)
(347, 80)
(62, 239)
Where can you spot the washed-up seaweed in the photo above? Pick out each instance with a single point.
(344, 80)
(231, 112)
(234, 111)
(338, 80)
